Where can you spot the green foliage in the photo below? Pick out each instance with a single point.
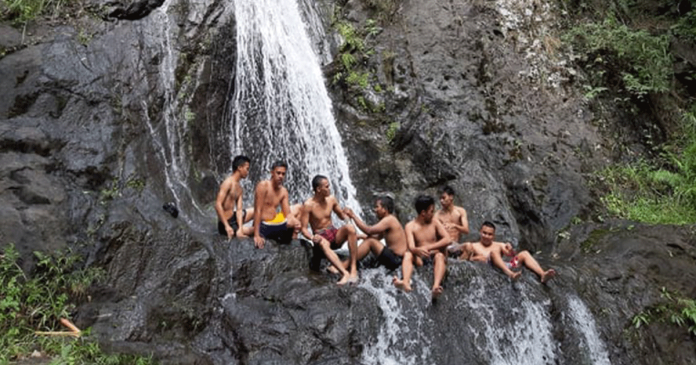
(352, 40)
(391, 131)
(359, 79)
(642, 59)
(39, 301)
(675, 309)
(22, 11)
(686, 26)
(663, 191)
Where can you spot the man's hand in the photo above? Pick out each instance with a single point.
(259, 241)
(349, 213)
(240, 233)
(421, 252)
(508, 250)
(230, 232)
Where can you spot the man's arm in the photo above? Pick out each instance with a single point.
(239, 215)
(441, 232)
(411, 242)
(463, 226)
(304, 221)
(222, 194)
(378, 229)
(259, 196)
(337, 209)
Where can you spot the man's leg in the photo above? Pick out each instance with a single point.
(368, 245)
(499, 263)
(440, 266)
(526, 259)
(249, 215)
(334, 260)
(406, 270)
(348, 232)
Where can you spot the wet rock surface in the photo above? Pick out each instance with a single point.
(85, 157)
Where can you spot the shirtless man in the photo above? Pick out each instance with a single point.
(451, 216)
(487, 250)
(268, 222)
(317, 213)
(228, 205)
(388, 228)
(427, 239)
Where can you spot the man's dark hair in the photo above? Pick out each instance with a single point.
(423, 202)
(387, 203)
(488, 224)
(447, 189)
(279, 163)
(317, 181)
(239, 161)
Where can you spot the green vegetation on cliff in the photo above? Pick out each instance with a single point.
(627, 49)
(39, 301)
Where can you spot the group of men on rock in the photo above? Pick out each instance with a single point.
(424, 240)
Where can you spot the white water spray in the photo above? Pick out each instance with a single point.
(585, 324)
(281, 109)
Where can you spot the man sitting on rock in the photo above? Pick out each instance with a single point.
(268, 221)
(228, 205)
(487, 250)
(388, 228)
(427, 239)
(316, 212)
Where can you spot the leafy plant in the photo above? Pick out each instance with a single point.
(641, 59)
(38, 301)
(22, 11)
(675, 309)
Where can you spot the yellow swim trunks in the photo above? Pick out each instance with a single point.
(279, 218)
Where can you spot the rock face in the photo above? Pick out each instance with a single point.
(104, 122)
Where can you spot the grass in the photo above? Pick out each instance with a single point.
(38, 301)
(662, 191)
(22, 11)
(641, 60)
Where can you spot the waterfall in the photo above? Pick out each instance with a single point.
(169, 132)
(280, 107)
(403, 338)
(515, 330)
(584, 323)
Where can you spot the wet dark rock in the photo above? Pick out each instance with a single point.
(84, 156)
(127, 9)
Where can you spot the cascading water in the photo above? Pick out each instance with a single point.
(169, 132)
(584, 323)
(280, 108)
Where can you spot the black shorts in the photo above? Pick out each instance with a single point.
(280, 232)
(389, 259)
(232, 222)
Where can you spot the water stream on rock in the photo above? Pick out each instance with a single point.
(280, 108)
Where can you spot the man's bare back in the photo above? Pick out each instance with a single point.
(393, 234)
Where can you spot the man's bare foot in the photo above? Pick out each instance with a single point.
(548, 275)
(400, 284)
(344, 280)
(515, 275)
(437, 291)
